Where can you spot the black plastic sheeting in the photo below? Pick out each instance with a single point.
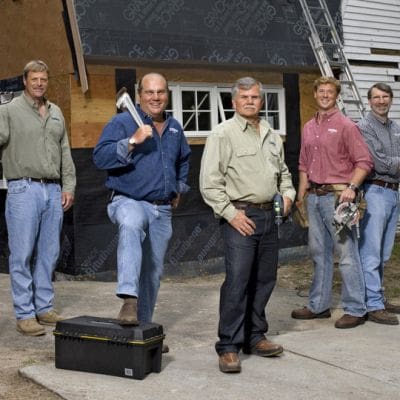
(272, 32)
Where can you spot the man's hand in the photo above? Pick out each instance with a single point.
(348, 195)
(141, 134)
(287, 205)
(67, 199)
(175, 201)
(244, 225)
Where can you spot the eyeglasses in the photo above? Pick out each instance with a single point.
(151, 93)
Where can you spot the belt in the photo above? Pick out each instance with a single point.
(320, 189)
(40, 180)
(241, 205)
(388, 185)
(159, 202)
(155, 202)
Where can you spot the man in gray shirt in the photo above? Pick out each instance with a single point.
(41, 181)
(378, 227)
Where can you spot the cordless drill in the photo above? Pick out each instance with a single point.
(278, 210)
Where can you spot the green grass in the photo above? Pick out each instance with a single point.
(391, 277)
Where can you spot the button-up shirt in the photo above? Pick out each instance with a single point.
(35, 146)
(240, 164)
(156, 169)
(331, 148)
(383, 140)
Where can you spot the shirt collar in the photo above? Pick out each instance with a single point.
(32, 103)
(383, 121)
(326, 115)
(243, 123)
(148, 117)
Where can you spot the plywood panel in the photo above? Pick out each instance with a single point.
(59, 92)
(191, 73)
(32, 30)
(91, 111)
(308, 106)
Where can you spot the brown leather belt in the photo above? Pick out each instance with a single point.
(40, 180)
(241, 205)
(320, 189)
(387, 185)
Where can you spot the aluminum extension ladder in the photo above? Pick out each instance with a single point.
(328, 50)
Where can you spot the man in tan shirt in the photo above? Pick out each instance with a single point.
(242, 169)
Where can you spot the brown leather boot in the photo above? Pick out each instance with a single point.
(264, 348)
(128, 312)
(229, 362)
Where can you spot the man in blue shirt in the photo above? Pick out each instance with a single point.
(378, 227)
(147, 170)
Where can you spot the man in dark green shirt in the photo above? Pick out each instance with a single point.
(40, 175)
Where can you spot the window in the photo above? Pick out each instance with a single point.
(200, 107)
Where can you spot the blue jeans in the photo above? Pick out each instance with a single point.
(378, 230)
(144, 233)
(34, 218)
(251, 267)
(323, 242)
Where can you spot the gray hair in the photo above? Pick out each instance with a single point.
(35, 66)
(246, 83)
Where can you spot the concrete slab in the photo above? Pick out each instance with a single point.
(320, 362)
(309, 369)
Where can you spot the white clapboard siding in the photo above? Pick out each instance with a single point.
(369, 24)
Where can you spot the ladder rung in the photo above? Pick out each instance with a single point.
(351, 101)
(337, 63)
(316, 8)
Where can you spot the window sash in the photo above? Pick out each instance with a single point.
(218, 110)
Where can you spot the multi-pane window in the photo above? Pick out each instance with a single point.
(200, 107)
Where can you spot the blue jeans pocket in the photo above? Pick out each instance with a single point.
(17, 187)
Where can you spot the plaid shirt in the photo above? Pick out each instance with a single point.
(383, 140)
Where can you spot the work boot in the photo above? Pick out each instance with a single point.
(128, 312)
(49, 318)
(347, 321)
(392, 308)
(383, 317)
(30, 327)
(306, 313)
(229, 362)
(165, 348)
(264, 348)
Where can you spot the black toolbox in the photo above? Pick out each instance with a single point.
(101, 345)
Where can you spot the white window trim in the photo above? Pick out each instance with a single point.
(216, 104)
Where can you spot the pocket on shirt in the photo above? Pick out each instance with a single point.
(55, 128)
(246, 152)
